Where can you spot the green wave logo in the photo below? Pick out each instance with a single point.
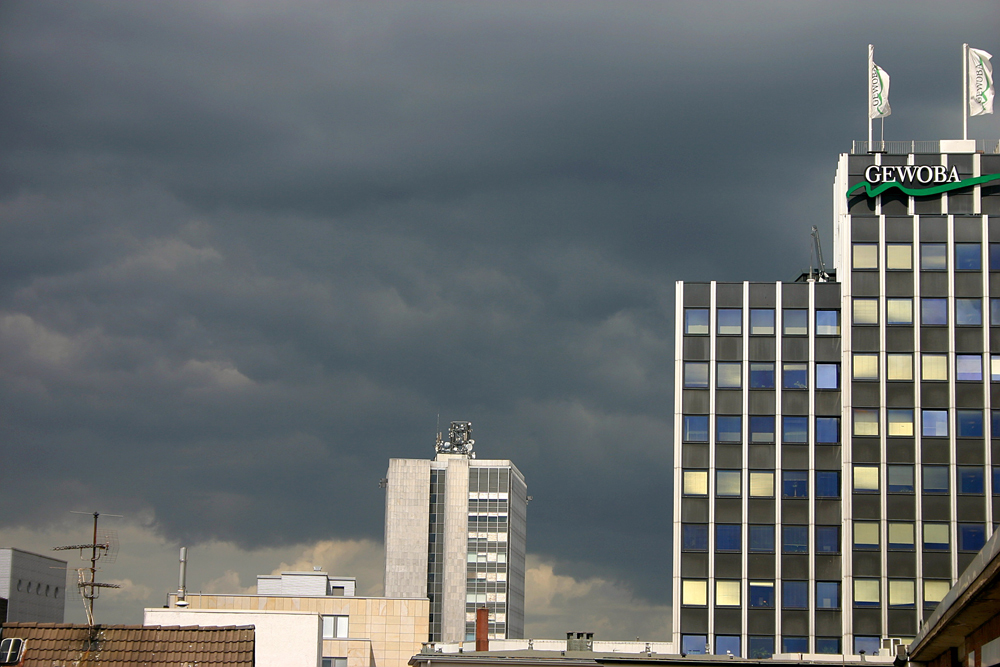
(874, 191)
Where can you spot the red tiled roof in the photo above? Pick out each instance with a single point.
(58, 645)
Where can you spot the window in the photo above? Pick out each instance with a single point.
(10, 650)
(727, 593)
(995, 257)
(899, 311)
(795, 539)
(727, 645)
(762, 322)
(761, 484)
(968, 368)
(934, 367)
(794, 430)
(936, 479)
(335, 627)
(865, 366)
(795, 594)
(935, 423)
(866, 535)
(968, 257)
(730, 321)
(729, 375)
(728, 428)
(898, 366)
(968, 312)
(795, 484)
(827, 483)
(970, 480)
(935, 590)
(902, 593)
(828, 645)
(995, 424)
(795, 376)
(761, 375)
(995, 368)
(865, 256)
(828, 376)
(969, 423)
(694, 644)
(865, 479)
(827, 322)
(828, 539)
(827, 430)
(695, 482)
(727, 483)
(761, 539)
(694, 592)
(996, 482)
(695, 537)
(936, 537)
(899, 256)
(865, 311)
(695, 428)
(994, 312)
(760, 646)
(761, 428)
(794, 644)
(899, 422)
(334, 662)
(901, 536)
(865, 421)
(795, 322)
(971, 536)
(866, 593)
(696, 374)
(933, 257)
(761, 594)
(933, 311)
(899, 478)
(866, 645)
(696, 321)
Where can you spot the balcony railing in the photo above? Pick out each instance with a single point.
(984, 146)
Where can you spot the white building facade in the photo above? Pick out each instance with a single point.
(34, 587)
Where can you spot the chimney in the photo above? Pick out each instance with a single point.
(579, 641)
(482, 629)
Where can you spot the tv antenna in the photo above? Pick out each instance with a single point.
(106, 548)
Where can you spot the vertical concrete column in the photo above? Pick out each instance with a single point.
(456, 533)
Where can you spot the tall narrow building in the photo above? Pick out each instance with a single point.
(455, 533)
(837, 444)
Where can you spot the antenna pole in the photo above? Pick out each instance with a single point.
(868, 80)
(965, 91)
(93, 571)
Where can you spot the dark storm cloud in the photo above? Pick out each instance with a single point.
(249, 251)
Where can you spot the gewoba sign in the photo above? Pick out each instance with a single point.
(915, 180)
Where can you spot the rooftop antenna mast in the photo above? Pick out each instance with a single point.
(821, 274)
(107, 548)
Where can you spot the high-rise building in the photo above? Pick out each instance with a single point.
(32, 587)
(455, 533)
(835, 465)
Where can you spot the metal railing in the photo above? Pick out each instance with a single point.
(984, 146)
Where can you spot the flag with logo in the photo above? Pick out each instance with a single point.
(878, 91)
(980, 82)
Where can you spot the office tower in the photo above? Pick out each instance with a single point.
(455, 533)
(32, 587)
(834, 465)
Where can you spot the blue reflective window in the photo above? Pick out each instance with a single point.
(969, 423)
(694, 644)
(795, 430)
(695, 374)
(794, 644)
(795, 322)
(968, 257)
(760, 647)
(868, 645)
(899, 478)
(696, 321)
(762, 428)
(695, 428)
(971, 536)
(761, 539)
(970, 480)
(730, 321)
(795, 375)
(727, 537)
(828, 539)
(795, 594)
(933, 256)
(761, 375)
(828, 595)
(995, 423)
(827, 322)
(828, 645)
(727, 645)
(933, 311)
(827, 376)
(995, 257)
(728, 428)
(968, 368)
(795, 539)
(761, 594)
(795, 484)
(827, 430)
(695, 537)
(936, 479)
(762, 322)
(968, 312)
(935, 423)
(994, 312)
(827, 483)
(996, 480)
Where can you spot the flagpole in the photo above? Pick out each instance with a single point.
(868, 78)
(965, 91)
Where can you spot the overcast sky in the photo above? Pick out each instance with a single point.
(249, 251)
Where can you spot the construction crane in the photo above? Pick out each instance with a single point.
(821, 275)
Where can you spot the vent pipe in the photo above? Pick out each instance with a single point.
(182, 580)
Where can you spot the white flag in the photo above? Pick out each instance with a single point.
(980, 83)
(878, 92)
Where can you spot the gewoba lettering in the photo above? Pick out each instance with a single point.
(915, 180)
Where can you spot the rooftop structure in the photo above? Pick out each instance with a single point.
(33, 587)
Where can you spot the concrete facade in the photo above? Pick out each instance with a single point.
(33, 585)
